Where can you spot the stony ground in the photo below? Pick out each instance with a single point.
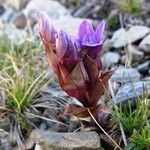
(127, 45)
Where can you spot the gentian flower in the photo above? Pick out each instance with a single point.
(91, 41)
(77, 64)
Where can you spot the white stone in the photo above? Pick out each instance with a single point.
(123, 75)
(70, 28)
(110, 58)
(145, 44)
(53, 8)
(15, 35)
(119, 38)
(122, 37)
(136, 33)
(68, 24)
(17, 4)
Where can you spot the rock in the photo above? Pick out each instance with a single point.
(53, 8)
(135, 52)
(20, 21)
(131, 91)
(15, 35)
(2, 9)
(110, 58)
(29, 144)
(106, 45)
(123, 59)
(84, 11)
(134, 20)
(7, 15)
(66, 141)
(136, 33)
(5, 140)
(145, 44)
(122, 37)
(119, 38)
(71, 27)
(16, 4)
(123, 75)
(144, 67)
(5, 123)
(38, 147)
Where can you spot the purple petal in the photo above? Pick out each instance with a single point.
(61, 45)
(72, 49)
(92, 44)
(99, 31)
(85, 29)
(45, 27)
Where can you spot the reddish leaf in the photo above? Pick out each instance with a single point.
(51, 57)
(99, 88)
(75, 83)
(91, 68)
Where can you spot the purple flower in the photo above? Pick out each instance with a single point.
(91, 41)
(77, 64)
(88, 37)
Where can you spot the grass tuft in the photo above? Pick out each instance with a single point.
(135, 123)
(130, 6)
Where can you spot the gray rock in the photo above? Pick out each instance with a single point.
(145, 44)
(122, 37)
(71, 28)
(20, 21)
(5, 140)
(29, 144)
(119, 38)
(47, 140)
(38, 147)
(84, 11)
(131, 91)
(2, 9)
(110, 58)
(136, 33)
(15, 35)
(144, 67)
(123, 75)
(16, 4)
(123, 59)
(7, 15)
(106, 45)
(5, 123)
(135, 52)
(53, 8)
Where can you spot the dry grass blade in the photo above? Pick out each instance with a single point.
(29, 89)
(103, 129)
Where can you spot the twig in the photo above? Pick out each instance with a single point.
(121, 20)
(103, 129)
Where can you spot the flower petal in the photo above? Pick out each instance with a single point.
(99, 31)
(46, 29)
(85, 29)
(61, 45)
